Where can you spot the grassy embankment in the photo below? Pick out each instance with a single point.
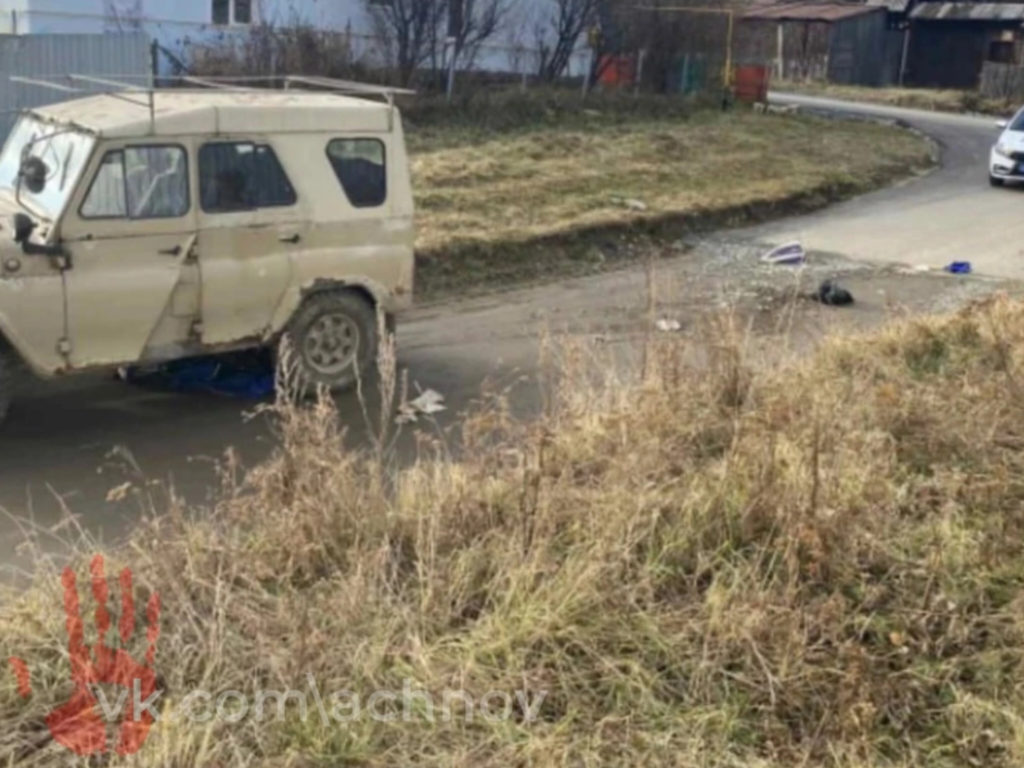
(513, 188)
(728, 565)
(933, 99)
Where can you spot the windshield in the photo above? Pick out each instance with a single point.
(65, 153)
(1018, 122)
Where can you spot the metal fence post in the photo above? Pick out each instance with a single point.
(450, 48)
(904, 55)
(589, 67)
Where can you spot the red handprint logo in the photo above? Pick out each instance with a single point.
(78, 725)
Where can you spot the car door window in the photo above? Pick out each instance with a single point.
(106, 199)
(360, 167)
(148, 182)
(240, 176)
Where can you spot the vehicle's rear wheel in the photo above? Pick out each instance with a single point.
(8, 372)
(996, 181)
(332, 339)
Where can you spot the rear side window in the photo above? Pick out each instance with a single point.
(139, 183)
(361, 169)
(241, 176)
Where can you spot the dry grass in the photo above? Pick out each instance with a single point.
(488, 198)
(548, 182)
(720, 565)
(934, 99)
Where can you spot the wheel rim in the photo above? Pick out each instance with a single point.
(332, 344)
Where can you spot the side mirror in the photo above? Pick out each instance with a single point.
(1002, 124)
(23, 228)
(33, 173)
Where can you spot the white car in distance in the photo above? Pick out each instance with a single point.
(1006, 160)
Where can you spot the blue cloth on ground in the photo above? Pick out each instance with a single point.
(248, 374)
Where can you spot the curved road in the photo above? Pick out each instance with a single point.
(950, 215)
(68, 444)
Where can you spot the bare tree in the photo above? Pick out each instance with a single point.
(471, 23)
(408, 31)
(122, 15)
(270, 50)
(558, 35)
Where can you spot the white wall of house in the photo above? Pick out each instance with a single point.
(64, 16)
(9, 16)
(176, 24)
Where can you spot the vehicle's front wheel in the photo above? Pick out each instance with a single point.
(332, 340)
(995, 181)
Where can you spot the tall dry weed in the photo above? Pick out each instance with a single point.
(712, 563)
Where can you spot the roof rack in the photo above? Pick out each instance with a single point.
(126, 86)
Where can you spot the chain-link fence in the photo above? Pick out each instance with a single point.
(669, 50)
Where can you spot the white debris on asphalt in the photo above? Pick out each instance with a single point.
(790, 253)
(427, 404)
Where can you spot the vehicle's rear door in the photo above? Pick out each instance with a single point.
(251, 223)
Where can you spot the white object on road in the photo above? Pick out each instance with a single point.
(790, 253)
(427, 404)
(668, 326)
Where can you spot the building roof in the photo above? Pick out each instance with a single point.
(179, 111)
(893, 6)
(826, 12)
(967, 11)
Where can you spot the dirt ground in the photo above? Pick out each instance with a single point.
(690, 278)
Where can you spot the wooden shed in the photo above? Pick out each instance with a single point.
(835, 42)
(950, 42)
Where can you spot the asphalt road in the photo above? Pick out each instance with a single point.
(951, 215)
(67, 444)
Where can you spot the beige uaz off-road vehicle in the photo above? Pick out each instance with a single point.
(150, 225)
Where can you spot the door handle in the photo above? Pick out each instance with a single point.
(175, 251)
(293, 239)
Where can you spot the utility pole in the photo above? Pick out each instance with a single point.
(456, 21)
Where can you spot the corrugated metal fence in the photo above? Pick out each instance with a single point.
(1002, 81)
(35, 55)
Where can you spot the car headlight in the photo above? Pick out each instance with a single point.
(1002, 151)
